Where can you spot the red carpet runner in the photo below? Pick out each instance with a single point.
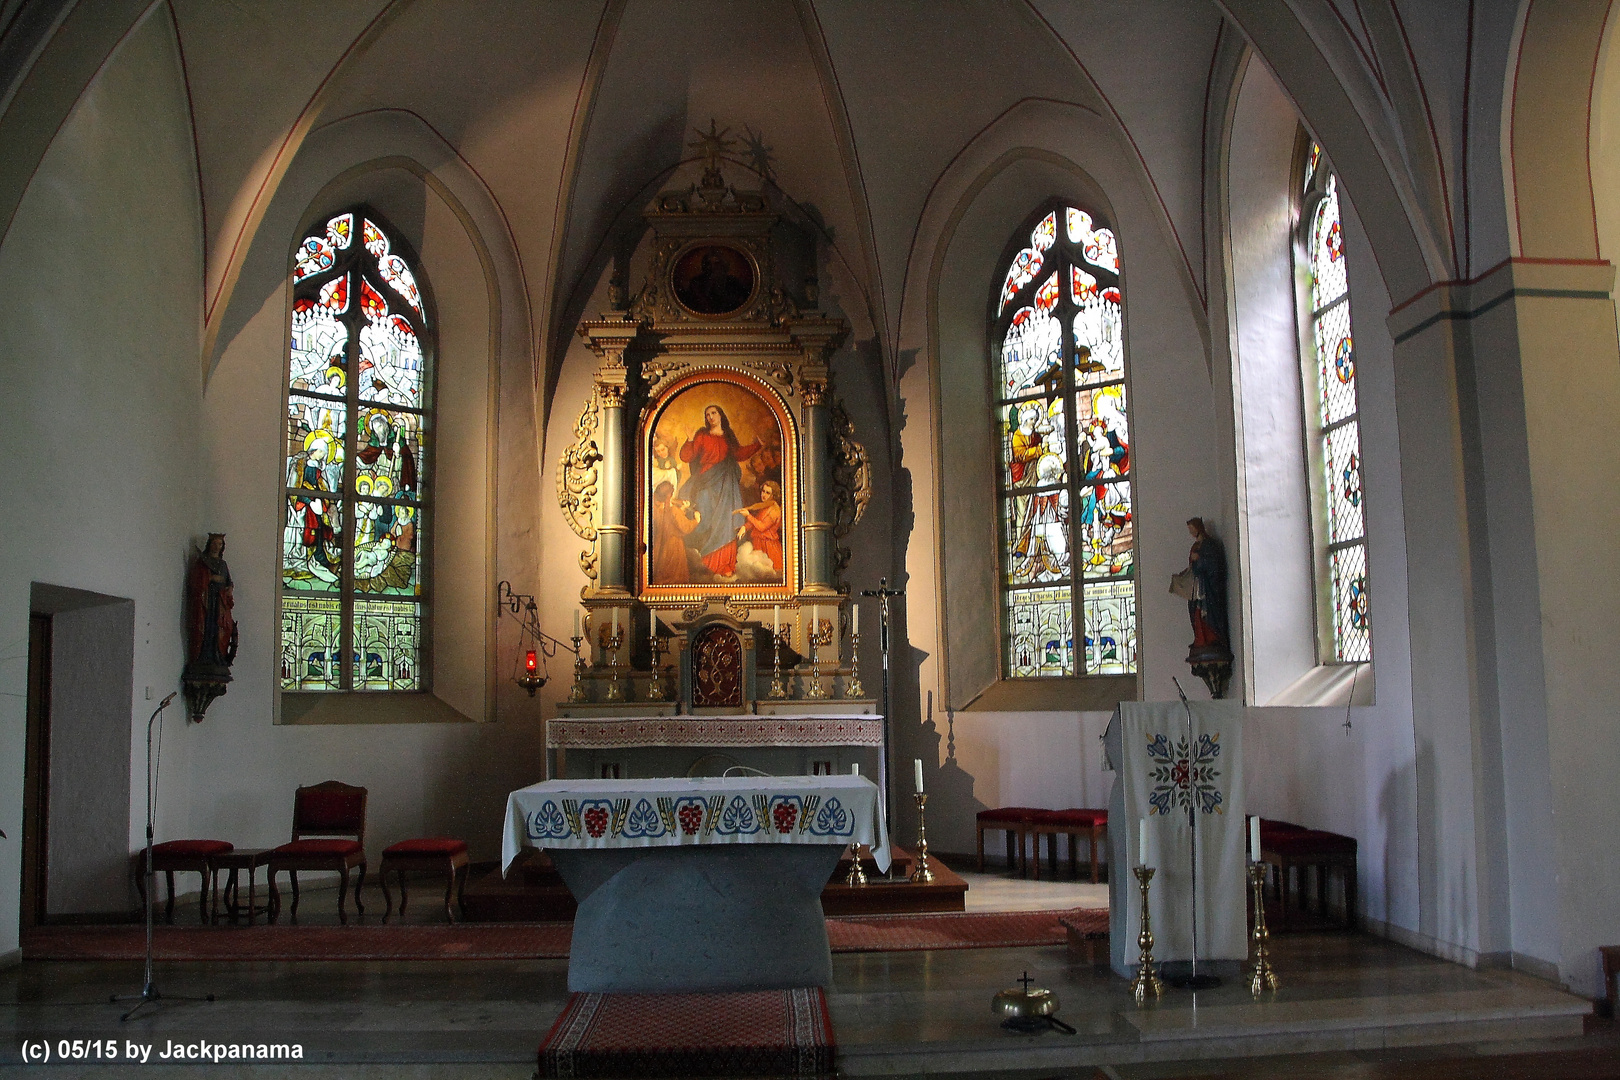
(769, 1033)
(519, 941)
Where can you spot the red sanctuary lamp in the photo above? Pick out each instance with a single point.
(531, 679)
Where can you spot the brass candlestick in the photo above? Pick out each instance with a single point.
(922, 875)
(1261, 977)
(852, 685)
(611, 640)
(820, 634)
(857, 875)
(577, 692)
(778, 687)
(655, 685)
(1147, 978)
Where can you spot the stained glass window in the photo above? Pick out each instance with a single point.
(354, 598)
(1335, 412)
(1068, 549)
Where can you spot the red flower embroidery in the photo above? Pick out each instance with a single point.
(785, 813)
(691, 816)
(596, 820)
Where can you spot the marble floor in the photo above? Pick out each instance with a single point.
(1345, 999)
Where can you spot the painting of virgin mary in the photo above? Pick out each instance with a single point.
(701, 532)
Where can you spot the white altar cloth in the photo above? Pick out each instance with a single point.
(685, 811)
(1158, 773)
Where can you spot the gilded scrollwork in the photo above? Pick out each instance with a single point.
(578, 475)
(587, 562)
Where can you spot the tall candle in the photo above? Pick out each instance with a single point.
(1254, 839)
(776, 619)
(576, 622)
(916, 773)
(854, 768)
(615, 622)
(855, 618)
(1141, 842)
(815, 619)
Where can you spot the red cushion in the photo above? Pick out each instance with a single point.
(1309, 842)
(1075, 818)
(300, 849)
(1010, 814)
(428, 845)
(192, 849)
(1268, 827)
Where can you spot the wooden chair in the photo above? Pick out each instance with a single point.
(1073, 823)
(328, 833)
(184, 857)
(1015, 823)
(432, 854)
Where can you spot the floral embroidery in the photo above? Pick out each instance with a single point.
(1182, 778)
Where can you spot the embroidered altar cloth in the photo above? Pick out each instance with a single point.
(679, 811)
(1161, 771)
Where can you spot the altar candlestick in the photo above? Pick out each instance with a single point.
(916, 773)
(1254, 838)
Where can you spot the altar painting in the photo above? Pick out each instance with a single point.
(718, 488)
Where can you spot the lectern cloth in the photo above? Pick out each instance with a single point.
(1160, 772)
(672, 812)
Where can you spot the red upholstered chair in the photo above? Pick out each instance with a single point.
(1013, 821)
(433, 854)
(1294, 847)
(181, 856)
(1074, 823)
(328, 833)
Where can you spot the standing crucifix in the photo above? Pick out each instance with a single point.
(883, 593)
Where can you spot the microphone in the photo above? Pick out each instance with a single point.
(164, 704)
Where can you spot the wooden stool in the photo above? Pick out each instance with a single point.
(182, 856)
(1014, 822)
(249, 859)
(1074, 824)
(433, 854)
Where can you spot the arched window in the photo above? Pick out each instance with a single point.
(1067, 537)
(359, 397)
(1332, 410)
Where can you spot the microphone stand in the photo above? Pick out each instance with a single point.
(1193, 981)
(883, 594)
(149, 992)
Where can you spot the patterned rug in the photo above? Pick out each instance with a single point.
(519, 941)
(767, 1033)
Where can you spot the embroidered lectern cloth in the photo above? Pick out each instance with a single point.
(672, 812)
(1160, 772)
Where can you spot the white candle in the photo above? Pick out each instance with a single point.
(916, 773)
(815, 619)
(855, 618)
(615, 622)
(1254, 839)
(1141, 842)
(854, 768)
(776, 619)
(576, 622)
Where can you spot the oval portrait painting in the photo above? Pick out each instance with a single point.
(713, 279)
(715, 489)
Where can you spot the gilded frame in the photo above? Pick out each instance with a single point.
(792, 518)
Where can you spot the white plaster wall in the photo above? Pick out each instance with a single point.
(98, 425)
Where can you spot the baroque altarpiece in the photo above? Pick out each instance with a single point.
(714, 476)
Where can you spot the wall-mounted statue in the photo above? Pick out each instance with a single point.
(211, 639)
(1203, 586)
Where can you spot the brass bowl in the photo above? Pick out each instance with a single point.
(1030, 1004)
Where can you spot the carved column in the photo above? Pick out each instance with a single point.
(613, 534)
(816, 486)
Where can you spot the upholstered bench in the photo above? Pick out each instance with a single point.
(1287, 849)
(181, 856)
(432, 854)
(1074, 823)
(1013, 821)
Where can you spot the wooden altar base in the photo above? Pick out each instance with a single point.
(534, 892)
